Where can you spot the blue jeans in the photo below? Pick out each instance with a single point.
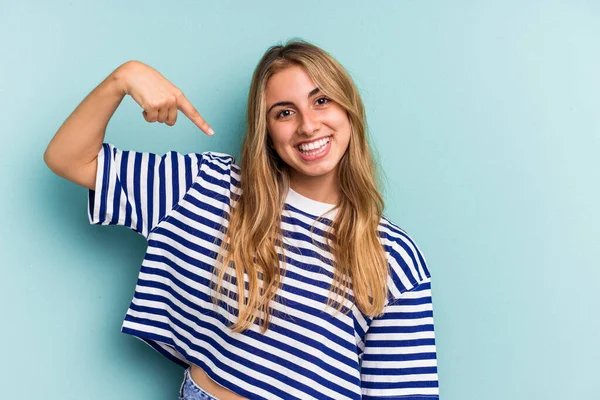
(191, 391)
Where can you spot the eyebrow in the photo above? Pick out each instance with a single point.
(289, 103)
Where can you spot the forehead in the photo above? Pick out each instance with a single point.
(288, 84)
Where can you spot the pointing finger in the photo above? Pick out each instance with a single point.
(189, 111)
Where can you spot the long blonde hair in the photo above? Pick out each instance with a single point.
(254, 224)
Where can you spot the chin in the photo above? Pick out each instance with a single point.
(316, 170)
(313, 173)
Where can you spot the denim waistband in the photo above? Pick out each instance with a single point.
(190, 390)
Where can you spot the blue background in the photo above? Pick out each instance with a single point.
(486, 118)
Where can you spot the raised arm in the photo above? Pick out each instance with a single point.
(72, 152)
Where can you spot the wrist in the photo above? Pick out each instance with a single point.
(119, 78)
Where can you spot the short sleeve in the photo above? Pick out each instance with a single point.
(139, 189)
(399, 357)
(407, 264)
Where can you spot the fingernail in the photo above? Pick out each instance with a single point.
(210, 130)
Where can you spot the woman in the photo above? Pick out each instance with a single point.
(336, 298)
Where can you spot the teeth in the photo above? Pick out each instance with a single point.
(313, 146)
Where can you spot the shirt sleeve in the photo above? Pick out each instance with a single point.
(139, 189)
(399, 358)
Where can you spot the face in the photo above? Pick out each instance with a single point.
(309, 131)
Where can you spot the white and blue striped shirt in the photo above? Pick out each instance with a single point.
(178, 202)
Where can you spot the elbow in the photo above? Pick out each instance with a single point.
(54, 162)
(46, 158)
(49, 160)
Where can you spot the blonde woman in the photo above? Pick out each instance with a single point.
(335, 298)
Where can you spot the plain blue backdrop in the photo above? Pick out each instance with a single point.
(486, 118)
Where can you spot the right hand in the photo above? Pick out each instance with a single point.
(158, 97)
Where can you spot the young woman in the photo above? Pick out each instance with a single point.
(335, 298)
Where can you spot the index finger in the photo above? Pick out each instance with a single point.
(189, 111)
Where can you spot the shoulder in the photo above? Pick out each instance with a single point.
(219, 160)
(219, 168)
(407, 265)
(216, 156)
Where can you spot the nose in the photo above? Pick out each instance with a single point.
(309, 124)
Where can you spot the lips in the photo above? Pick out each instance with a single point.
(316, 150)
(314, 146)
(314, 140)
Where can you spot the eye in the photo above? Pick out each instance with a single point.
(278, 115)
(324, 98)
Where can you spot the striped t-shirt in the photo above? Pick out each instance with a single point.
(179, 202)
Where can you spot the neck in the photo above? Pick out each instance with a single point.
(323, 188)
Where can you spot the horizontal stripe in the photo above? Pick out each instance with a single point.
(181, 203)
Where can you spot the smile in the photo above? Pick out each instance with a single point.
(314, 147)
(314, 150)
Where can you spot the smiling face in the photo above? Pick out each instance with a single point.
(309, 131)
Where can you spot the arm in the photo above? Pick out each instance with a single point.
(72, 152)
